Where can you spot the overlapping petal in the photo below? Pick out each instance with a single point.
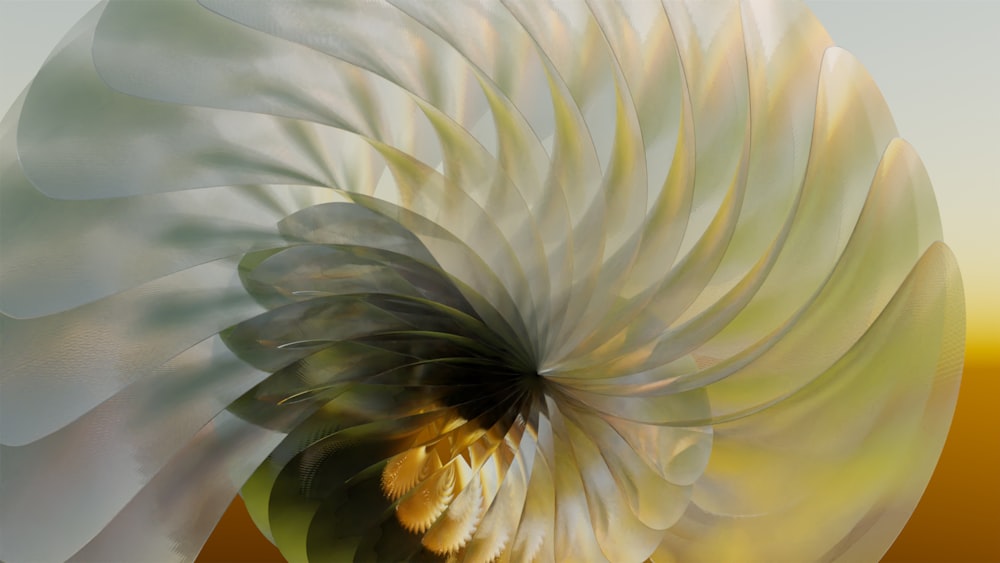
(476, 281)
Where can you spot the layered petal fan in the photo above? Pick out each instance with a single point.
(466, 281)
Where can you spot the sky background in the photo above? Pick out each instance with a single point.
(938, 66)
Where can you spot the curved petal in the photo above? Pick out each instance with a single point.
(466, 281)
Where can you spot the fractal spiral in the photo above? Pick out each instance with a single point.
(466, 281)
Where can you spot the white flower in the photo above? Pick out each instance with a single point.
(466, 280)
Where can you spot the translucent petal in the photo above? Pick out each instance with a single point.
(466, 281)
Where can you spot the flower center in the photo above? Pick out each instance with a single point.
(387, 379)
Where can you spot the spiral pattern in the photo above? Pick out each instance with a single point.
(466, 281)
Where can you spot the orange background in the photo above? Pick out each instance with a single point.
(957, 520)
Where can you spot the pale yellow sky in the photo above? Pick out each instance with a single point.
(937, 63)
(938, 66)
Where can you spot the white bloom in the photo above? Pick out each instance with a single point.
(466, 280)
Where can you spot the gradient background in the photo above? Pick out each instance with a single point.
(938, 65)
